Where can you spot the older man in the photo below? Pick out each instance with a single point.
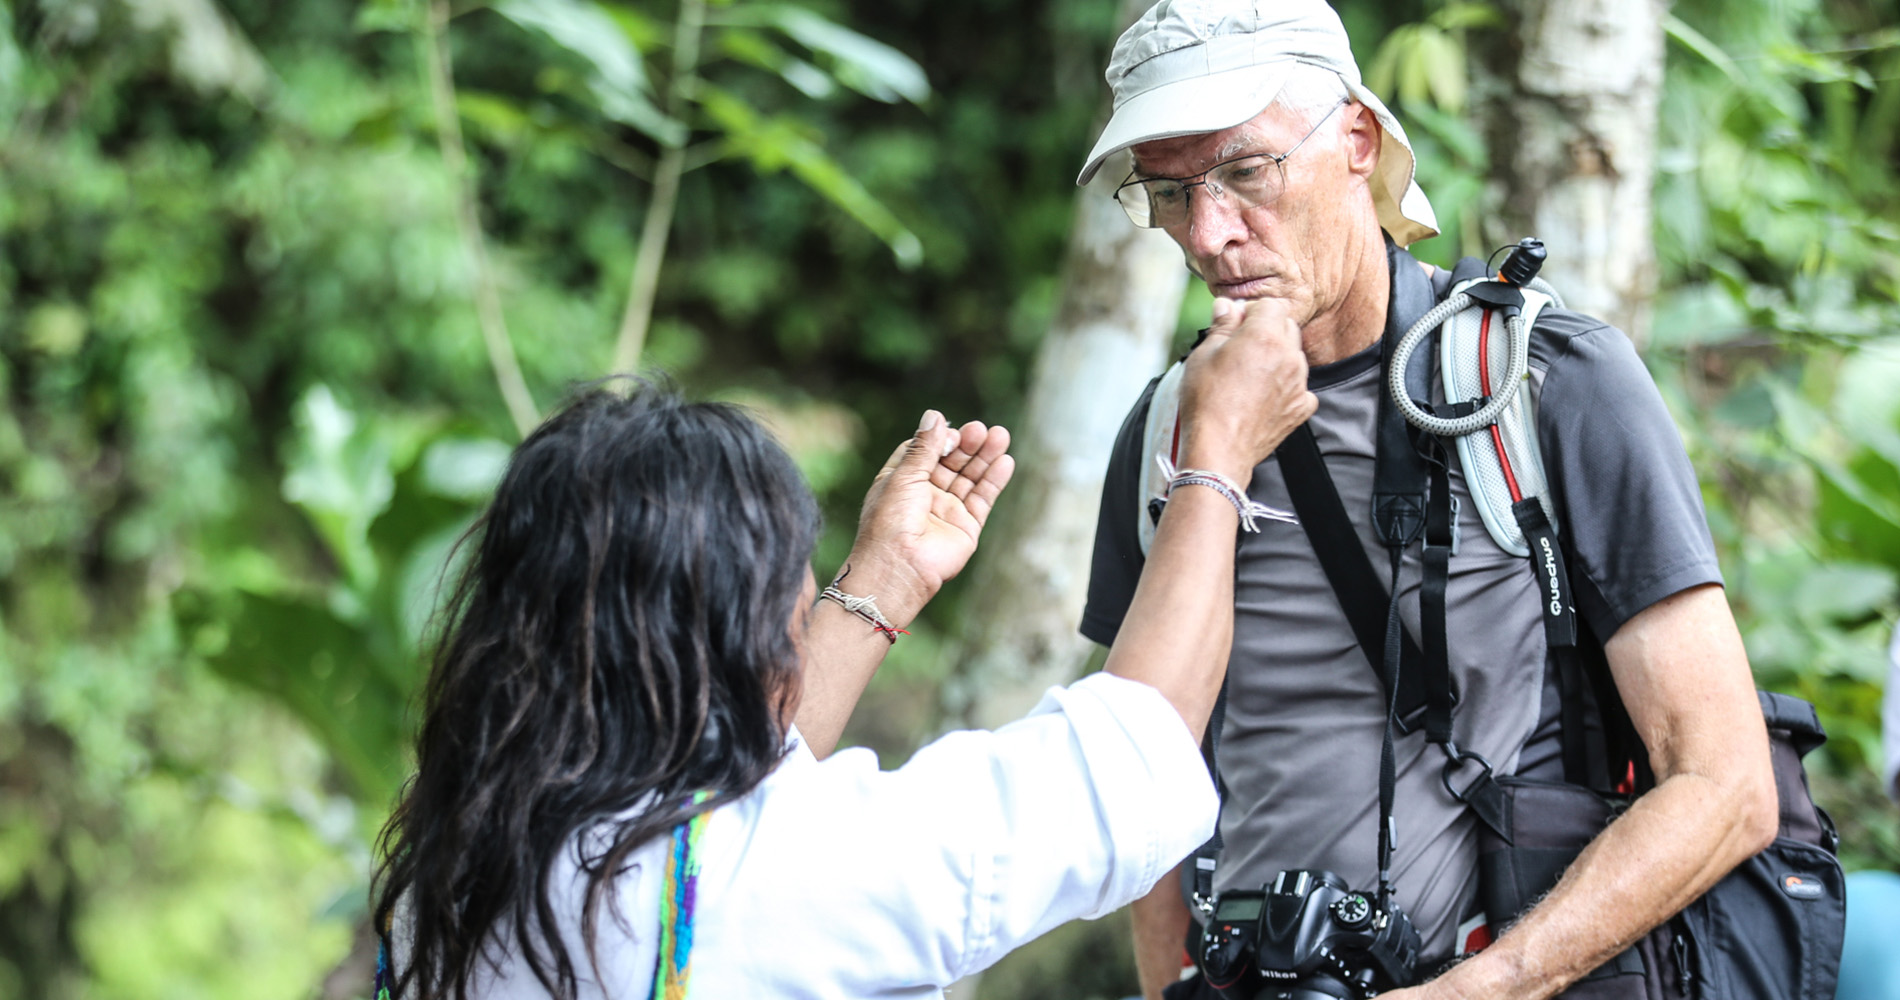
(1257, 149)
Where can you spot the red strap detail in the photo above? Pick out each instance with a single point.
(1484, 377)
(1478, 940)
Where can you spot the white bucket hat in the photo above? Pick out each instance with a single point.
(1194, 66)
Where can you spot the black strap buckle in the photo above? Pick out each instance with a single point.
(1456, 759)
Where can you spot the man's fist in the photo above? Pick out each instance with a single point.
(1244, 389)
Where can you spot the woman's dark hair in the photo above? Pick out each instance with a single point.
(618, 642)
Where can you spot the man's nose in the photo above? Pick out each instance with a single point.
(1214, 224)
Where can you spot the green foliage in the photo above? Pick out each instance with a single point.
(248, 410)
(1776, 226)
(611, 42)
(618, 82)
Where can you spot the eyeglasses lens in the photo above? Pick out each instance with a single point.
(1161, 202)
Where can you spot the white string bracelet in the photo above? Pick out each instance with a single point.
(864, 607)
(1248, 508)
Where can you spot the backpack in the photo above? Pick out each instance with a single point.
(1770, 930)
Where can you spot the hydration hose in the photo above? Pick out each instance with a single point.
(1527, 257)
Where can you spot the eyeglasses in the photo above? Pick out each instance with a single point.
(1253, 180)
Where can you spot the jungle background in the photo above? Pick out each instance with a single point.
(282, 280)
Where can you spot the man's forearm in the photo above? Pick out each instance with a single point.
(1669, 848)
(1683, 676)
(1160, 927)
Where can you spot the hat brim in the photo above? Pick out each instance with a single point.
(1223, 100)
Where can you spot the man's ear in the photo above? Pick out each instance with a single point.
(1364, 138)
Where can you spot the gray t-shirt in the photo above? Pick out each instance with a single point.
(1299, 754)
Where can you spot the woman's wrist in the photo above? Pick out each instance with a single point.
(874, 571)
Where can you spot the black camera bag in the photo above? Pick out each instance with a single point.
(1770, 930)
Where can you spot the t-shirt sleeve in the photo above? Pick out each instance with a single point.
(1116, 565)
(1626, 494)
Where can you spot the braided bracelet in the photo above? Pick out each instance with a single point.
(864, 607)
(1248, 508)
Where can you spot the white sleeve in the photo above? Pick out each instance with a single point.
(985, 840)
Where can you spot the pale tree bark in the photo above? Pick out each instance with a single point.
(1121, 295)
(1569, 106)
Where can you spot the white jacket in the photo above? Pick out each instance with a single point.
(836, 880)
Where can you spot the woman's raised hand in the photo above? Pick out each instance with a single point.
(925, 511)
(1244, 389)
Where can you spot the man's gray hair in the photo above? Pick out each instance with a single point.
(1310, 92)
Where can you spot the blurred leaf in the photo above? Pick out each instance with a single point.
(860, 62)
(385, 15)
(1820, 67)
(1844, 591)
(1381, 73)
(428, 577)
(316, 665)
(495, 115)
(465, 468)
(619, 80)
(1443, 62)
(1462, 14)
(341, 477)
(782, 144)
(1414, 72)
(755, 49)
(1457, 134)
(1699, 44)
(1697, 314)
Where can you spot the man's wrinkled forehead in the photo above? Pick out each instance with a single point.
(1189, 154)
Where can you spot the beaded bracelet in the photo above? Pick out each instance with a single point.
(1248, 508)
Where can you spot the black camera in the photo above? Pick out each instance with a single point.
(1307, 937)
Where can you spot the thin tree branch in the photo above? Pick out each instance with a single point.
(706, 154)
(666, 186)
(633, 161)
(448, 132)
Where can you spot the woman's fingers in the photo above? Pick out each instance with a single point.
(977, 449)
(970, 439)
(982, 497)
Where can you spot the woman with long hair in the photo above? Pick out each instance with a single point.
(624, 779)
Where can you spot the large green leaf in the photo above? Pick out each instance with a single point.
(340, 476)
(860, 62)
(782, 143)
(619, 81)
(755, 49)
(305, 658)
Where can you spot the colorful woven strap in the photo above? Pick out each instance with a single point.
(677, 898)
(383, 976)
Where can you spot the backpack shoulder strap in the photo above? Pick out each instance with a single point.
(1161, 436)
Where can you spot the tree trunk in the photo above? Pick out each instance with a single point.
(1121, 295)
(1570, 119)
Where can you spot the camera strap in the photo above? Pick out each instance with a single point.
(1418, 690)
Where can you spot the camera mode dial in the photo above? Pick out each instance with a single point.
(1353, 911)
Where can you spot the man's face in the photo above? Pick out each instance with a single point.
(1291, 248)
